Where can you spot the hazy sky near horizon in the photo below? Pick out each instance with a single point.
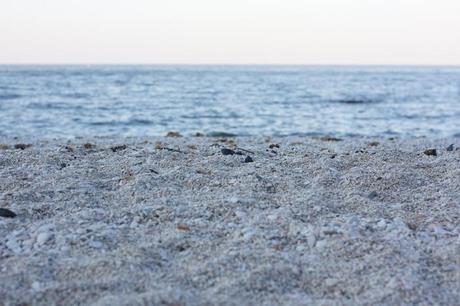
(230, 31)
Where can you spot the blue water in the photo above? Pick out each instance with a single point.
(69, 101)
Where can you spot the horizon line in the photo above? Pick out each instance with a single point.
(224, 64)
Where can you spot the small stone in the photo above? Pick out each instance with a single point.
(374, 143)
(226, 151)
(430, 152)
(118, 148)
(450, 148)
(274, 145)
(330, 138)
(173, 134)
(88, 146)
(22, 146)
(183, 227)
(95, 244)
(6, 213)
(42, 238)
(248, 159)
(372, 195)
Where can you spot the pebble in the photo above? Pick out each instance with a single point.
(173, 134)
(450, 148)
(430, 152)
(248, 159)
(6, 213)
(373, 195)
(118, 148)
(42, 238)
(226, 151)
(22, 146)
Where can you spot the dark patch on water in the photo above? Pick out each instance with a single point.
(357, 101)
(9, 96)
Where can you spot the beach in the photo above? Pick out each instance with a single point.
(230, 221)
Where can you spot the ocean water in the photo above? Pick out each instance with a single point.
(70, 101)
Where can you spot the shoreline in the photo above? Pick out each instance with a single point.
(179, 221)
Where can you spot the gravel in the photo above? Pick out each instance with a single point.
(174, 221)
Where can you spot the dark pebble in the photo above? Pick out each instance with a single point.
(373, 195)
(22, 146)
(173, 134)
(430, 152)
(450, 148)
(63, 165)
(239, 153)
(248, 159)
(226, 151)
(6, 213)
(118, 148)
(274, 145)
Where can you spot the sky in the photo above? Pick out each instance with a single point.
(413, 32)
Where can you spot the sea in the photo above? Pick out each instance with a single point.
(67, 101)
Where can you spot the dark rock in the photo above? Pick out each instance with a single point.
(248, 159)
(239, 153)
(22, 146)
(226, 151)
(450, 148)
(274, 145)
(221, 134)
(88, 146)
(330, 138)
(6, 213)
(372, 195)
(63, 165)
(173, 134)
(374, 143)
(199, 134)
(430, 152)
(118, 148)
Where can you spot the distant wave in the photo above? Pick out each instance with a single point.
(9, 96)
(118, 123)
(356, 101)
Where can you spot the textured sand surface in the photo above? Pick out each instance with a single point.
(173, 221)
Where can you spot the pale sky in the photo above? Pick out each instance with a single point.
(230, 31)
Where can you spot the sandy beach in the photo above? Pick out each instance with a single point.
(230, 221)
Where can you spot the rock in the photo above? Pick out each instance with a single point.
(6, 213)
(274, 145)
(95, 244)
(329, 138)
(226, 151)
(450, 148)
(173, 134)
(374, 143)
(372, 195)
(430, 152)
(248, 159)
(43, 237)
(118, 148)
(22, 146)
(221, 134)
(88, 146)
(183, 227)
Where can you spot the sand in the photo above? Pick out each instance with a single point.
(173, 221)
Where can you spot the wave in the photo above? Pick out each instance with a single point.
(356, 101)
(9, 96)
(124, 123)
